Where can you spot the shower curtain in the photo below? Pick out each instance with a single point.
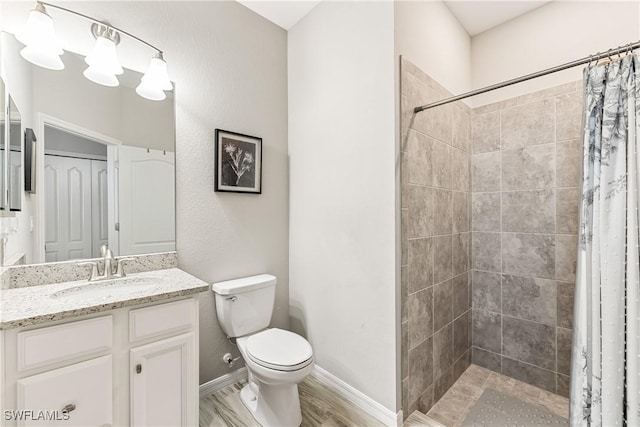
(605, 374)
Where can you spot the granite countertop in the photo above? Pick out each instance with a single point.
(35, 305)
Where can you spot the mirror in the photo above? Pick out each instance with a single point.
(3, 136)
(14, 171)
(105, 162)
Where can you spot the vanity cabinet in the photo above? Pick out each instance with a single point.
(129, 366)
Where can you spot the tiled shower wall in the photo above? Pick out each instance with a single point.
(525, 173)
(435, 187)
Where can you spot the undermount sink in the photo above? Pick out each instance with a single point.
(124, 285)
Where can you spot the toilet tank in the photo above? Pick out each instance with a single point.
(245, 305)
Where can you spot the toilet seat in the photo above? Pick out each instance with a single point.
(279, 350)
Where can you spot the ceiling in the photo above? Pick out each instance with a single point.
(480, 15)
(475, 16)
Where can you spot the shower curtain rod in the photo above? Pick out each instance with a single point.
(586, 60)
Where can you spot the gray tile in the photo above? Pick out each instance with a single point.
(460, 294)
(460, 178)
(460, 212)
(404, 359)
(548, 93)
(461, 335)
(436, 122)
(564, 351)
(487, 330)
(529, 211)
(529, 374)
(420, 264)
(565, 304)
(485, 251)
(486, 289)
(529, 124)
(530, 299)
(420, 369)
(529, 168)
(460, 253)
(420, 158)
(461, 364)
(442, 350)
(486, 359)
(529, 342)
(486, 171)
(461, 132)
(485, 132)
(442, 208)
(485, 211)
(530, 255)
(569, 116)
(420, 316)
(568, 163)
(420, 211)
(404, 292)
(495, 106)
(404, 242)
(441, 163)
(442, 304)
(563, 384)
(443, 383)
(442, 258)
(567, 210)
(566, 254)
(425, 401)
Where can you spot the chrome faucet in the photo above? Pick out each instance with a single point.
(110, 264)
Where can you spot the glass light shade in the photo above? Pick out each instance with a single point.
(149, 91)
(157, 75)
(42, 58)
(97, 76)
(43, 48)
(103, 57)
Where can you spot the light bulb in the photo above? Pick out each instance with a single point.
(149, 91)
(97, 76)
(43, 48)
(104, 58)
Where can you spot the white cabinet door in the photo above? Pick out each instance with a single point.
(164, 383)
(86, 387)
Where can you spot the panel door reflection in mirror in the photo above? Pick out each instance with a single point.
(14, 172)
(105, 164)
(3, 137)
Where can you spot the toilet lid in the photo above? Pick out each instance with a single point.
(278, 348)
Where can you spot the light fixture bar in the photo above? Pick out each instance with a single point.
(100, 23)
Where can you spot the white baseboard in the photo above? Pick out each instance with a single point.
(223, 381)
(349, 393)
(357, 398)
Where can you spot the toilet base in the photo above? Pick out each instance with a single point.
(272, 405)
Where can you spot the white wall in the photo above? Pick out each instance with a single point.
(428, 35)
(556, 33)
(230, 70)
(342, 192)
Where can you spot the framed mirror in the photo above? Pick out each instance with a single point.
(104, 163)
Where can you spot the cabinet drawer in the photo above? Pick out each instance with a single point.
(173, 317)
(85, 388)
(44, 346)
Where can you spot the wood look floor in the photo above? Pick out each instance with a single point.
(323, 407)
(319, 404)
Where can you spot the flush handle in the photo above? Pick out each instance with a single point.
(138, 368)
(232, 298)
(68, 408)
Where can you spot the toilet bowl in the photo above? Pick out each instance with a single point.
(276, 360)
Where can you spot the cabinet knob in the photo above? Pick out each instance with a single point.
(138, 368)
(68, 408)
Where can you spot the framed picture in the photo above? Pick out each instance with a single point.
(29, 161)
(238, 162)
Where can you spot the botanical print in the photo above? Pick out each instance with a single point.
(605, 375)
(238, 158)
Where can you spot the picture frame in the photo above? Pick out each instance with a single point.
(238, 162)
(29, 161)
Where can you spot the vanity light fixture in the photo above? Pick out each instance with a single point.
(43, 48)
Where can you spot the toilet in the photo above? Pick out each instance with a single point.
(276, 360)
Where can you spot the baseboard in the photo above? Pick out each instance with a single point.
(223, 381)
(357, 398)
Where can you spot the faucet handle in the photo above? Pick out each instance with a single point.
(120, 267)
(94, 270)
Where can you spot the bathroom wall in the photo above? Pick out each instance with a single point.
(435, 240)
(230, 70)
(553, 34)
(525, 173)
(342, 192)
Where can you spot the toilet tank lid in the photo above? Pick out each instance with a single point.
(243, 284)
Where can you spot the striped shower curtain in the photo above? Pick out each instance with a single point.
(605, 374)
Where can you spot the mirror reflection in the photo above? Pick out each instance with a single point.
(15, 157)
(104, 163)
